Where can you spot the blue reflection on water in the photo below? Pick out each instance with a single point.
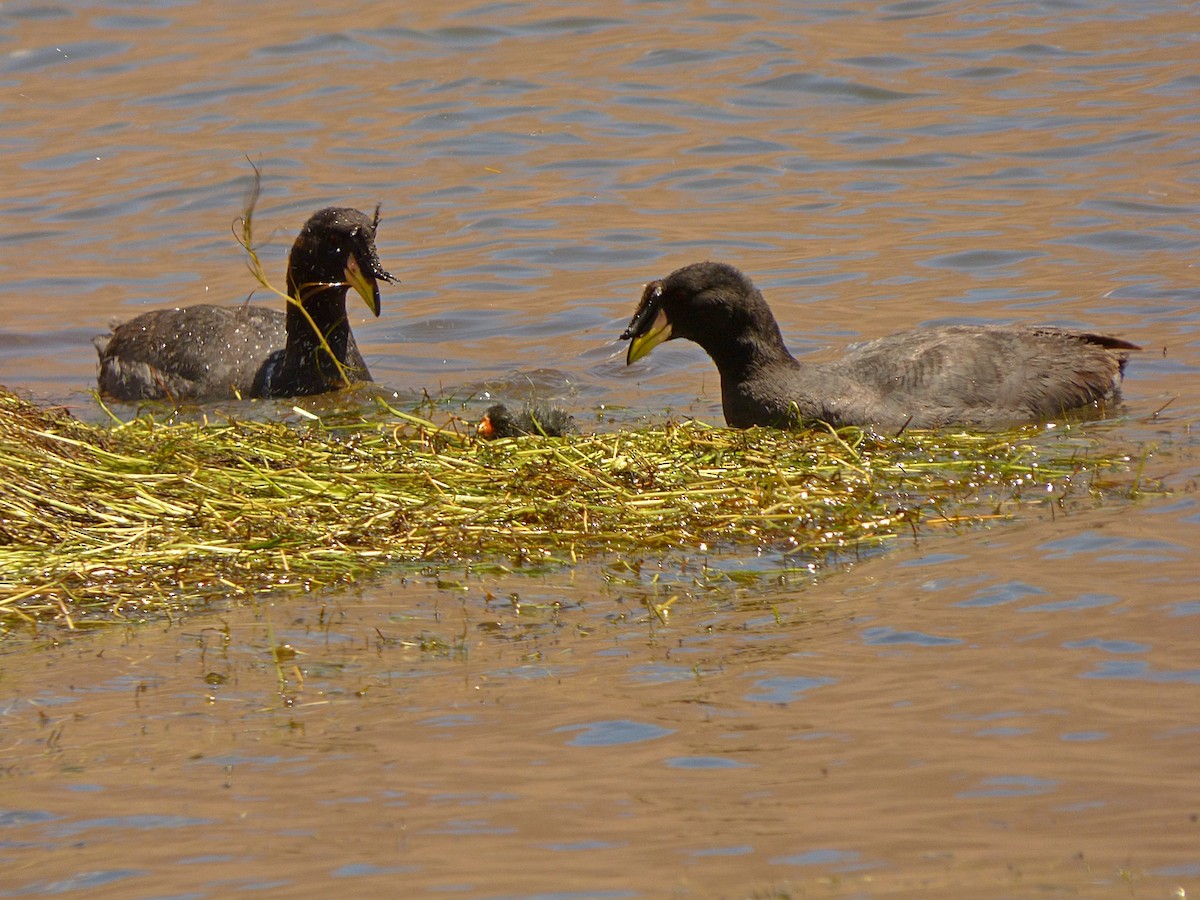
(1187, 870)
(613, 733)
(354, 870)
(785, 689)
(1000, 594)
(1140, 670)
(140, 823)
(1108, 646)
(738, 850)
(1010, 786)
(883, 635)
(1082, 601)
(575, 846)
(83, 881)
(704, 762)
(1114, 549)
(841, 860)
(1084, 736)
(1190, 608)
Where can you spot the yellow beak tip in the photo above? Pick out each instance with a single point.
(364, 285)
(641, 345)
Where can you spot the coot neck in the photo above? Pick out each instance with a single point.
(306, 352)
(739, 352)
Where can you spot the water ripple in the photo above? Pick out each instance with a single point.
(785, 689)
(613, 733)
(833, 88)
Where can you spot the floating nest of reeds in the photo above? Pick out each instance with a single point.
(150, 516)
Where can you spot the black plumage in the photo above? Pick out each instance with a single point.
(206, 352)
(500, 422)
(972, 375)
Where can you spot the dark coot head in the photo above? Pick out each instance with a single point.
(336, 248)
(497, 422)
(710, 303)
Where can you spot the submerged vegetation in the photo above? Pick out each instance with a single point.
(148, 516)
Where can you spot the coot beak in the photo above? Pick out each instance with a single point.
(649, 326)
(485, 428)
(364, 281)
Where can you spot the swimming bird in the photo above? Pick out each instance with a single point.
(500, 422)
(986, 376)
(207, 352)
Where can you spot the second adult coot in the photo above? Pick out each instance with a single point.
(971, 375)
(206, 352)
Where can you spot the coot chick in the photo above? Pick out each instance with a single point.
(500, 422)
(207, 352)
(972, 375)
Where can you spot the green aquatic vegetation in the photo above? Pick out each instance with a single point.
(148, 516)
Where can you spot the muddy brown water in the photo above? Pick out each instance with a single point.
(1007, 712)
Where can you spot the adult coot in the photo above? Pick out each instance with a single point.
(975, 375)
(206, 352)
(500, 422)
